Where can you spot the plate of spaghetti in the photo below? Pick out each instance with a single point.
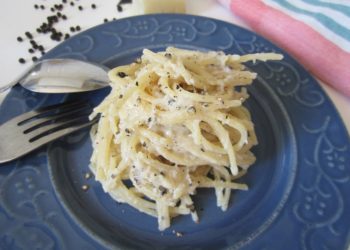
(209, 137)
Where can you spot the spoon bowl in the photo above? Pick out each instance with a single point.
(61, 75)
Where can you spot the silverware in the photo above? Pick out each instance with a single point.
(33, 129)
(60, 75)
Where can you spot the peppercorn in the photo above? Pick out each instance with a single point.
(28, 35)
(21, 60)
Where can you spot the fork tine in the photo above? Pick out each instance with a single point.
(25, 117)
(36, 123)
(57, 125)
(57, 134)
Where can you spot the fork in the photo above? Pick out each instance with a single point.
(33, 129)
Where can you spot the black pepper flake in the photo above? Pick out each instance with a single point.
(77, 28)
(80, 7)
(121, 74)
(93, 6)
(149, 119)
(66, 36)
(120, 96)
(31, 51)
(144, 144)
(64, 17)
(34, 59)
(137, 83)
(127, 131)
(119, 8)
(177, 86)
(19, 39)
(36, 6)
(42, 7)
(71, 3)
(171, 102)
(202, 149)
(72, 29)
(163, 190)
(105, 20)
(21, 60)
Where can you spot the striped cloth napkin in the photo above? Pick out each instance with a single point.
(315, 32)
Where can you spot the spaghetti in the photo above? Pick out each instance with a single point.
(174, 122)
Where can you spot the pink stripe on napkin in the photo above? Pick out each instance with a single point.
(319, 55)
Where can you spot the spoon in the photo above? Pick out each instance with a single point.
(60, 75)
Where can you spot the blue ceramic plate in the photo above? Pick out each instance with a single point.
(298, 196)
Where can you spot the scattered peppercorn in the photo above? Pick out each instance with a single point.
(28, 35)
(31, 51)
(77, 28)
(36, 6)
(93, 6)
(19, 39)
(105, 20)
(42, 7)
(72, 29)
(34, 59)
(80, 7)
(21, 60)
